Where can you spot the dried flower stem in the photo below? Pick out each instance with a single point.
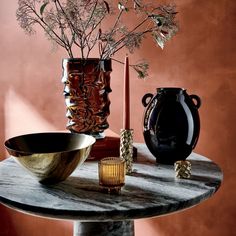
(77, 24)
(111, 32)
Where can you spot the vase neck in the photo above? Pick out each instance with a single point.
(174, 90)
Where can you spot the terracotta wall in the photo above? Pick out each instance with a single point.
(201, 58)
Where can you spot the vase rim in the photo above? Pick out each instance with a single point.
(86, 59)
(171, 89)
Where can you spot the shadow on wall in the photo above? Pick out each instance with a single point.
(31, 91)
(8, 228)
(14, 223)
(21, 115)
(26, 108)
(31, 88)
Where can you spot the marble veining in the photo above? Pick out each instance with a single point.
(151, 190)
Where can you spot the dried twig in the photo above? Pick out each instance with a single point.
(77, 24)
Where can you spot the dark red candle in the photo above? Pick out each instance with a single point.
(126, 101)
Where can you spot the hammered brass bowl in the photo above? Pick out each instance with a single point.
(51, 157)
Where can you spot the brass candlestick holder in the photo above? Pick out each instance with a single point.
(126, 148)
(111, 174)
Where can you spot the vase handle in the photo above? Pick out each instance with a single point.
(197, 99)
(148, 96)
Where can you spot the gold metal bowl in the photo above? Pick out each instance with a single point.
(51, 157)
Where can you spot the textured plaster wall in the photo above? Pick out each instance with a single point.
(201, 58)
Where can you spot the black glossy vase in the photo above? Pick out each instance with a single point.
(171, 124)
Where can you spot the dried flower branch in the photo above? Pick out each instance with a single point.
(77, 24)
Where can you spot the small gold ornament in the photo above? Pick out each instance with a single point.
(182, 169)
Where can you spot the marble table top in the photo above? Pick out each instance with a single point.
(152, 190)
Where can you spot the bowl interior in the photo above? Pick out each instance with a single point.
(47, 143)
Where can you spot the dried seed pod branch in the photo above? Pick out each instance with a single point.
(78, 25)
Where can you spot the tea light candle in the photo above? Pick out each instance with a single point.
(111, 174)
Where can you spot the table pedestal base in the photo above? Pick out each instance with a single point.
(109, 228)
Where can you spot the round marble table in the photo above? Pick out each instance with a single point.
(152, 190)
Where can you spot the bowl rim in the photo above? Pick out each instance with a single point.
(10, 149)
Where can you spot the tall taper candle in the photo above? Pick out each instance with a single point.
(126, 100)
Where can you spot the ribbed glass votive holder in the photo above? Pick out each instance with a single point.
(111, 174)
